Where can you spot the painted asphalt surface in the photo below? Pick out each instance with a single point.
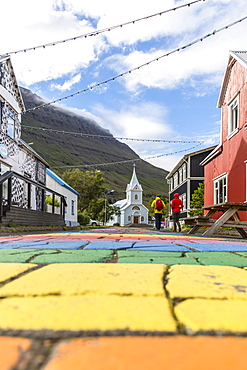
(122, 299)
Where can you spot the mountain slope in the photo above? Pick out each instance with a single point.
(60, 149)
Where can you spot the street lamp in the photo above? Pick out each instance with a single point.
(107, 192)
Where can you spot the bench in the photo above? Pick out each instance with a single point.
(229, 218)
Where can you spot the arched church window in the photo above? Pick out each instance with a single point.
(129, 218)
(136, 208)
(136, 196)
(142, 218)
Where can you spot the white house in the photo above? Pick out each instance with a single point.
(132, 211)
(15, 155)
(22, 171)
(57, 184)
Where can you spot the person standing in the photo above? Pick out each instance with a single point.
(176, 206)
(158, 206)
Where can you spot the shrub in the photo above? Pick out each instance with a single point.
(83, 218)
(49, 201)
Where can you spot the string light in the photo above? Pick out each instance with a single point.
(112, 137)
(99, 31)
(128, 160)
(91, 87)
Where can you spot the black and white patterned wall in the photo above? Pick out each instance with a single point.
(29, 165)
(6, 80)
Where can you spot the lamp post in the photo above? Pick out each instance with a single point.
(107, 192)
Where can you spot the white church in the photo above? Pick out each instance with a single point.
(132, 211)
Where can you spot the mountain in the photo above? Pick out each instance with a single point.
(60, 149)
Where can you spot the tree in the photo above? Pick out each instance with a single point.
(107, 214)
(90, 186)
(197, 201)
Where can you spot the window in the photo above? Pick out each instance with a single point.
(65, 207)
(220, 189)
(136, 208)
(1, 112)
(180, 175)
(171, 183)
(136, 197)
(40, 173)
(11, 123)
(184, 171)
(233, 116)
(183, 198)
(72, 207)
(175, 180)
(3, 168)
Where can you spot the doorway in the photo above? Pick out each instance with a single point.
(136, 219)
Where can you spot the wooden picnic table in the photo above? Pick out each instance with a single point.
(229, 218)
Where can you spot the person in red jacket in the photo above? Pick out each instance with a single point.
(176, 206)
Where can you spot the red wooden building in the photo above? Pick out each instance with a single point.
(225, 168)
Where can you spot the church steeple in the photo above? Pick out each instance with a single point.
(134, 189)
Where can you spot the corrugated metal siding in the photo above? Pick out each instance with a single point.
(195, 169)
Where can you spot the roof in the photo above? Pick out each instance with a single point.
(61, 181)
(120, 203)
(12, 73)
(23, 143)
(134, 181)
(241, 57)
(184, 159)
(217, 150)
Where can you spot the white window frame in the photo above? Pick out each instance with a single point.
(220, 188)
(175, 180)
(72, 207)
(66, 207)
(171, 183)
(180, 171)
(184, 200)
(233, 116)
(11, 123)
(184, 171)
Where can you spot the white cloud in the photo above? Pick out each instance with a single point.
(145, 120)
(67, 84)
(42, 21)
(98, 58)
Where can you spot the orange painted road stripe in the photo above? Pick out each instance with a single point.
(10, 351)
(148, 353)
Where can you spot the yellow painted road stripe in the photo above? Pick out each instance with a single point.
(9, 270)
(217, 315)
(87, 313)
(186, 281)
(100, 279)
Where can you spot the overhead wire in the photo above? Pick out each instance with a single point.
(98, 32)
(91, 87)
(128, 160)
(111, 137)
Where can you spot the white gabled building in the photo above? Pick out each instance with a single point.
(23, 180)
(132, 211)
(17, 157)
(57, 184)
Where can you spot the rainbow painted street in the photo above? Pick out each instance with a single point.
(99, 298)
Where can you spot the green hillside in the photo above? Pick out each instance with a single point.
(60, 149)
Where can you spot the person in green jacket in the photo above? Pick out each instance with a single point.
(158, 206)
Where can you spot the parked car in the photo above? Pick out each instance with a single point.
(95, 223)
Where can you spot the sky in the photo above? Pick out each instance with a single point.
(173, 98)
